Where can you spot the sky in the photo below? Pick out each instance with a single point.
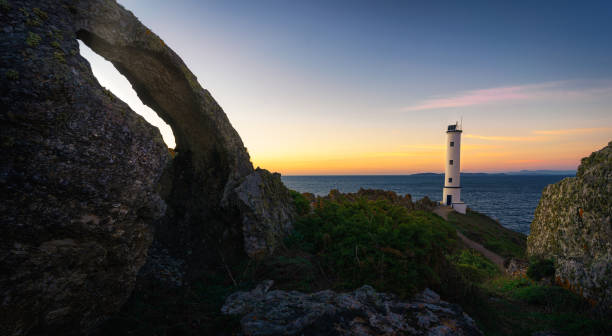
(369, 87)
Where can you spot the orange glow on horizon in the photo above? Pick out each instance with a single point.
(479, 154)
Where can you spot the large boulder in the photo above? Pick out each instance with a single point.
(572, 227)
(83, 178)
(362, 312)
(78, 180)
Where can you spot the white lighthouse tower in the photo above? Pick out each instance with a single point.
(452, 178)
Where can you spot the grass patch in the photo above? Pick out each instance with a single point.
(490, 234)
(524, 307)
(473, 266)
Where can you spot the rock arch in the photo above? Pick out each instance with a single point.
(85, 182)
(202, 185)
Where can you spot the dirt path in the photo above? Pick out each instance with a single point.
(443, 212)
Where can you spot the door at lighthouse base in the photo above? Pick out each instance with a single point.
(449, 199)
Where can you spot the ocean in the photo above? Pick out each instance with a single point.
(510, 199)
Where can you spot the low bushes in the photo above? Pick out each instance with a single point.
(379, 243)
(539, 269)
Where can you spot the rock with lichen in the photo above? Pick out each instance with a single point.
(267, 211)
(572, 226)
(362, 312)
(83, 178)
(78, 180)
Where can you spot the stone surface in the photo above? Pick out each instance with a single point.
(572, 226)
(204, 223)
(267, 212)
(83, 178)
(362, 312)
(78, 178)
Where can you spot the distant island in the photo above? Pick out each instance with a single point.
(520, 172)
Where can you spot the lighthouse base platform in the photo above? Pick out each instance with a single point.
(460, 207)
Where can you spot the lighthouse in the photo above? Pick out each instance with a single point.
(452, 178)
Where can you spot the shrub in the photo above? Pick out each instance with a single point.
(377, 243)
(12, 74)
(302, 205)
(539, 269)
(551, 296)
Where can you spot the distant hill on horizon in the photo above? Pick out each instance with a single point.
(520, 172)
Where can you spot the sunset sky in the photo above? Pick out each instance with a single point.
(352, 87)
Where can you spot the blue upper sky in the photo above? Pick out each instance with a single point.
(391, 74)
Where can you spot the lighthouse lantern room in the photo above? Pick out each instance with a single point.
(452, 177)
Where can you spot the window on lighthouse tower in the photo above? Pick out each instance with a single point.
(450, 162)
(452, 144)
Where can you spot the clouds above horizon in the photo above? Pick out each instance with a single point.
(557, 89)
(542, 135)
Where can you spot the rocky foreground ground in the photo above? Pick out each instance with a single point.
(361, 312)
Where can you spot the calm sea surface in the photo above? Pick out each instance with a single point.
(511, 199)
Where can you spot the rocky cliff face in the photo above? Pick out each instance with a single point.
(362, 312)
(572, 226)
(80, 172)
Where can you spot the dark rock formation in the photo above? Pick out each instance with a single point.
(572, 226)
(78, 176)
(211, 162)
(80, 171)
(362, 312)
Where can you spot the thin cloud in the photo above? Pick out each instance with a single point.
(542, 135)
(506, 138)
(559, 89)
(573, 131)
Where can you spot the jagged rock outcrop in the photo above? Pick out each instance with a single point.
(362, 312)
(572, 226)
(203, 222)
(263, 229)
(80, 172)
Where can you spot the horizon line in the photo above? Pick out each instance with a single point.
(552, 172)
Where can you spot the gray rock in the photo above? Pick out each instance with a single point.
(83, 178)
(211, 166)
(362, 312)
(78, 180)
(572, 226)
(267, 211)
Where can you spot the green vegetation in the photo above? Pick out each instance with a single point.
(539, 269)
(302, 205)
(33, 39)
(346, 241)
(59, 56)
(490, 234)
(4, 5)
(41, 14)
(473, 266)
(522, 307)
(12, 74)
(375, 242)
